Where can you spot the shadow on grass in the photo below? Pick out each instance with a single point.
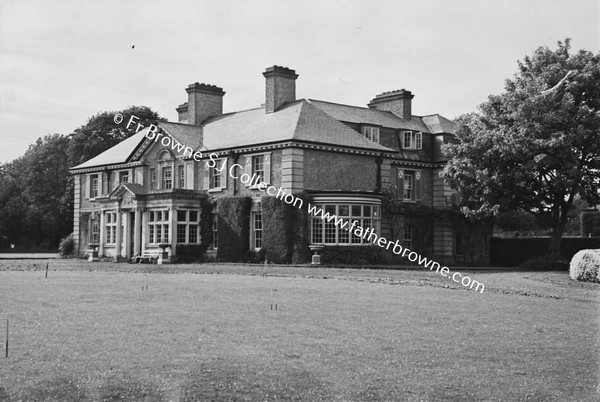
(252, 383)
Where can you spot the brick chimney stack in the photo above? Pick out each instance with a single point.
(203, 101)
(280, 87)
(398, 102)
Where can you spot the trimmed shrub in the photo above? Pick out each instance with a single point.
(233, 228)
(285, 230)
(590, 223)
(189, 253)
(585, 266)
(67, 246)
(278, 222)
(352, 255)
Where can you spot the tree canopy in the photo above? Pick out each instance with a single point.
(36, 189)
(535, 146)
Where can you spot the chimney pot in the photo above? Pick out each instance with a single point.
(204, 101)
(280, 87)
(398, 102)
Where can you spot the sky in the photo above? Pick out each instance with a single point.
(61, 62)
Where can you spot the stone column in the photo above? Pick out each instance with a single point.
(102, 235)
(136, 231)
(172, 229)
(144, 214)
(127, 233)
(118, 240)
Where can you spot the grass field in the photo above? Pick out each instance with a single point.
(207, 332)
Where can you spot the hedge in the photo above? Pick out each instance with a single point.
(352, 255)
(233, 228)
(510, 252)
(590, 223)
(188, 253)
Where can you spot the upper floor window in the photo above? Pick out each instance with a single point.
(180, 176)
(123, 177)
(153, 179)
(409, 184)
(412, 140)
(258, 167)
(94, 186)
(372, 133)
(167, 177)
(216, 177)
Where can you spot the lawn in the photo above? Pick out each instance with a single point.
(359, 335)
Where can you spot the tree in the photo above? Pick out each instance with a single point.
(536, 146)
(36, 190)
(101, 132)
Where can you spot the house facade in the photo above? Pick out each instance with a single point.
(378, 166)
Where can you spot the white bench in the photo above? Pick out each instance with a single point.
(150, 256)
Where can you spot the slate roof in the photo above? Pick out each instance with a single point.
(356, 114)
(439, 124)
(117, 154)
(298, 121)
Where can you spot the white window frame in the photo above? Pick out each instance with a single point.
(188, 224)
(371, 133)
(94, 186)
(256, 233)
(212, 173)
(415, 140)
(110, 223)
(154, 224)
(163, 178)
(409, 181)
(369, 216)
(153, 181)
(180, 176)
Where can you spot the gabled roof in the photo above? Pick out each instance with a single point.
(133, 188)
(117, 154)
(439, 124)
(356, 114)
(298, 121)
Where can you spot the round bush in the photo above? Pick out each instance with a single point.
(585, 266)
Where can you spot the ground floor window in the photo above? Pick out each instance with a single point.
(187, 226)
(95, 236)
(257, 227)
(158, 226)
(408, 236)
(111, 227)
(336, 231)
(215, 232)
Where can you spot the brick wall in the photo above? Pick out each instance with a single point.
(336, 171)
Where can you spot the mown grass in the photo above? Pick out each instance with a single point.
(81, 335)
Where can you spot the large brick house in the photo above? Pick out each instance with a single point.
(378, 165)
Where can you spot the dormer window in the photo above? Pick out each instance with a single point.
(412, 140)
(371, 133)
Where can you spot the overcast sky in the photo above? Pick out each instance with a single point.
(64, 61)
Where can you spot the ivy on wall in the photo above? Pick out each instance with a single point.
(285, 231)
(233, 227)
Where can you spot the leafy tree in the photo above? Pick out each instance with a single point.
(101, 132)
(536, 146)
(36, 190)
